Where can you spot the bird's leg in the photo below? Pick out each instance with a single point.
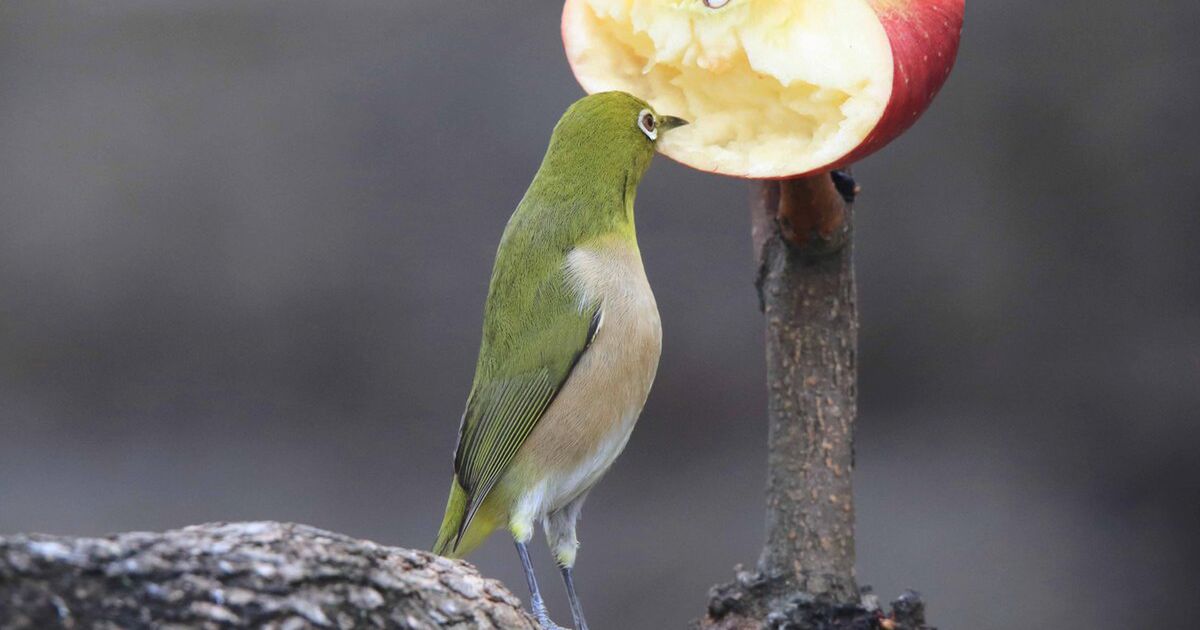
(535, 596)
(576, 609)
(560, 535)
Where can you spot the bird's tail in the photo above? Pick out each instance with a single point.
(448, 542)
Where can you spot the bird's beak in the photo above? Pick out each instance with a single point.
(667, 123)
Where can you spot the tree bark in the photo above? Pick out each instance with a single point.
(260, 575)
(802, 233)
(804, 256)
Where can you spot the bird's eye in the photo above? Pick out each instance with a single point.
(715, 4)
(647, 124)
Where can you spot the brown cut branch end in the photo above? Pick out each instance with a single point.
(810, 213)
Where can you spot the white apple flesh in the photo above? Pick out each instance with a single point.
(773, 88)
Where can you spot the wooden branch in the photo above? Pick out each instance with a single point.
(260, 575)
(811, 338)
(810, 213)
(802, 231)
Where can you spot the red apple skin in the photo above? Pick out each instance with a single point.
(924, 36)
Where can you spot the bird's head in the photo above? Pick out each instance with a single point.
(611, 130)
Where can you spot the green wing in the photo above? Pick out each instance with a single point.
(533, 335)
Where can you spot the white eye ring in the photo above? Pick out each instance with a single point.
(715, 4)
(647, 123)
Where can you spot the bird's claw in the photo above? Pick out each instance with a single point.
(543, 616)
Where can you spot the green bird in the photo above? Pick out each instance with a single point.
(571, 341)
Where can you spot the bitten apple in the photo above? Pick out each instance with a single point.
(773, 88)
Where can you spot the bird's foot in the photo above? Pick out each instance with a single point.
(547, 624)
(543, 616)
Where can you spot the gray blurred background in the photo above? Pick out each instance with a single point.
(244, 248)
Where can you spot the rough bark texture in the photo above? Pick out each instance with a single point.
(261, 575)
(811, 337)
(805, 577)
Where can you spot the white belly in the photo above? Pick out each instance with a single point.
(590, 420)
